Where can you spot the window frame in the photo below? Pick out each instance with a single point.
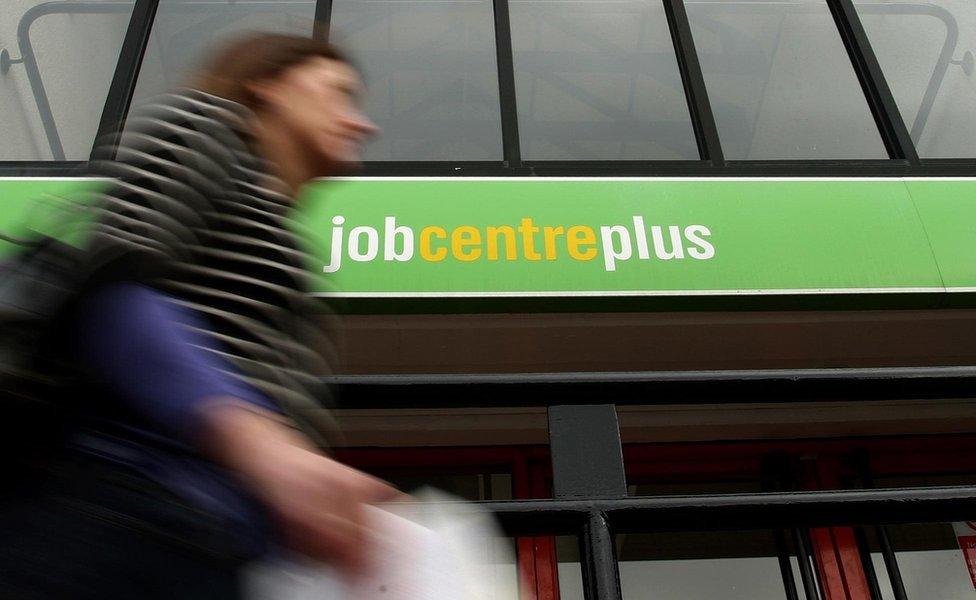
(903, 157)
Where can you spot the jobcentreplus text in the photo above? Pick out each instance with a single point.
(526, 241)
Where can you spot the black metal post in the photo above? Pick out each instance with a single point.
(323, 19)
(894, 133)
(587, 463)
(865, 552)
(702, 119)
(777, 475)
(126, 74)
(587, 460)
(891, 564)
(862, 462)
(598, 560)
(511, 148)
(801, 543)
(785, 568)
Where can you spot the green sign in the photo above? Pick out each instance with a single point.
(44, 205)
(640, 237)
(461, 237)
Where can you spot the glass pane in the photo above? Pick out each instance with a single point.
(76, 48)
(926, 53)
(688, 566)
(780, 81)
(598, 80)
(568, 568)
(430, 71)
(739, 564)
(931, 564)
(185, 32)
(500, 562)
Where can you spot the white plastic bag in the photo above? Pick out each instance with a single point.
(435, 554)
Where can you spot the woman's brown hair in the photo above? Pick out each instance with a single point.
(257, 57)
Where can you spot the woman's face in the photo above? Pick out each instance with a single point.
(317, 106)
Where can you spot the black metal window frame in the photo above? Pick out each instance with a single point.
(590, 502)
(595, 521)
(903, 157)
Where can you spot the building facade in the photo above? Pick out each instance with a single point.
(682, 290)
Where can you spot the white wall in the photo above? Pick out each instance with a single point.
(76, 55)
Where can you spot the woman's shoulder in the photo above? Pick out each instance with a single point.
(188, 110)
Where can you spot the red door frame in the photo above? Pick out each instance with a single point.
(835, 549)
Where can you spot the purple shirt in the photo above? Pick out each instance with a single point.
(147, 353)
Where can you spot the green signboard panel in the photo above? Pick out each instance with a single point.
(947, 209)
(463, 237)
(619, 237)
(45, 205)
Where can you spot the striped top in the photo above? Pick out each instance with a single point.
(193, 212)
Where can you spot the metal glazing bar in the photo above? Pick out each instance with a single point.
(678, 168)
(874, 374)
(126, 74)
(791, 509)
(598, 558)
(43, 168)
(802, 544)
(945, 54)
(702, 119)
(777, 510)
(506, 85)
(894, 133)
(785, 568)
(587, 460)
(323, 19)
(891, 564)
(865, 552)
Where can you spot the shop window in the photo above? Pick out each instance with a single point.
(55, 78)
(926, 51)
(184, 33)
(431, 76)
(739, 564)
(598, 81)
(742, 565)
(780, 81)
(930, 562)
(928, 559)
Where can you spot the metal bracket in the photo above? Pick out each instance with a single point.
(6, 62)
(968, 63)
